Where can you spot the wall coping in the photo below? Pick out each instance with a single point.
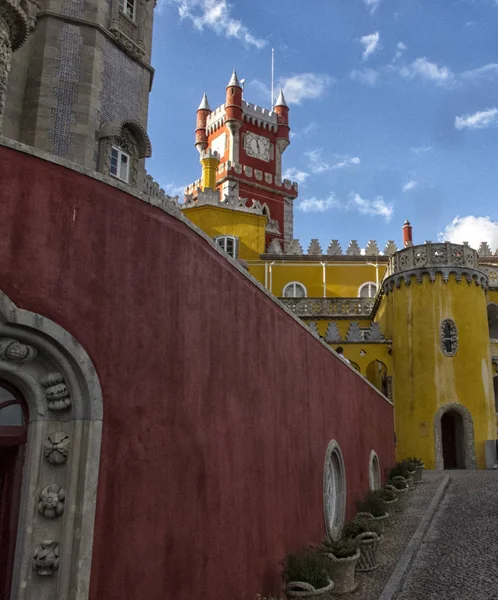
(171, 209)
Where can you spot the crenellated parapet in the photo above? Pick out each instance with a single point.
(431, 259)
(294, 248)
(210, 197)
(262, 117)
(259, 177)
(355, 334)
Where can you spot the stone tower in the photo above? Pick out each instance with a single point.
(79, 86)
(435, 314)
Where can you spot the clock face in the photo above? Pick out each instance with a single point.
(258, 146)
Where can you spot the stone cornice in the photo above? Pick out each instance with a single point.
(85, 23)
(469, 274)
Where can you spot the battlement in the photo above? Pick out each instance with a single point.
(294, 248)
(208, 197)
(262, 117)
(215, 120)
(257, 175)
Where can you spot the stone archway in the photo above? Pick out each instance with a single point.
(60, 386)
(459, 420)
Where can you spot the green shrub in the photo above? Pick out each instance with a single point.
(418, 462)
(342, 548)
(359, 526)
(388, 495)
(308, 565)
(410, 465)
(399, 484)
(373, 503)
(399, 470)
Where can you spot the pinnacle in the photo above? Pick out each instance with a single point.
(234, 80)
(204, 105)
(281, 100)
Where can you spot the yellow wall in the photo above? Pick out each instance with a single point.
(249, 228)
(343, 280)
(425, 379)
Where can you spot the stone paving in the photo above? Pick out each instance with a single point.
(395, 539)
(458, 558)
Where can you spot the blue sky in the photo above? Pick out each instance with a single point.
(394, 107)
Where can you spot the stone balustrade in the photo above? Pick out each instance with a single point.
(327, 308)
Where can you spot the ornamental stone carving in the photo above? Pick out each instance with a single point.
(13, 33)
(330, 307)
(15, 351)
(46, 558)
(332, 335)
(449, 337)
(56, 392)
(430, 259)
(51, 504)
(56, 448)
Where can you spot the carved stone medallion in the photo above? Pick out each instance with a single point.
(57, 448)
(51, 503)
(56, 391)
(15, 351)
(46, 558)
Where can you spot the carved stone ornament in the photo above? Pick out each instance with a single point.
(15, 351)
(51, 503)
(46, 558)
(449, 337)
(56, 391)
(57, 448)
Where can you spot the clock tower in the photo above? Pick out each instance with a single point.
(248, 141)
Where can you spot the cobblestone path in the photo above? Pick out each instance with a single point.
(458, 559)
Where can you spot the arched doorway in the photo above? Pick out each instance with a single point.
(13, 434)
(452, 438)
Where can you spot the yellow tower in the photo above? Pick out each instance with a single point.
(435, 314)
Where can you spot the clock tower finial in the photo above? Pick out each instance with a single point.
(234, 115)
(200, 131)
(234, 80)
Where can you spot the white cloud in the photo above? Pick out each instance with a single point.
(400, 48)
(478, 120)
(304, 132)
(375, 208)
(410, 185)
(373, 5)
(365, 76)
(425, 69)
(346, 161)
(421, 149)
(370, 44)
(473, 230)
(489, 70)
(316, 162)
(316, 205)
(172, 189)
(295, 175)
(216, 15)
(305, 86)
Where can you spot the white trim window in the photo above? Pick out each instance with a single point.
(127, 7)
(374, 478)
(334, 491)
(120, 164)
(294, 289)
(367, 290)
(229, 244)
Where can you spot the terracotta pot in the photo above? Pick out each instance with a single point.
(368, 544)
(301, 589)
(381, 521)
(342, 573)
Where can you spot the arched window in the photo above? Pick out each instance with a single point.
(229, 244)
(367, 290)
(493, 321)
(127, 7)
(13, 432)
(334, 490)
(374, 472)
(449, 337)
(294, 290)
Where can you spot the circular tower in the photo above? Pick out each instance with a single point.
(443, 382)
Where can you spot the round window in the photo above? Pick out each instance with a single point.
(334, 490)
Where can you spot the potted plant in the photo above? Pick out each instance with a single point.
(306, 574)
(419, 468)
(373, 507)
(390, 498)
(400, 486)
(410, 467)
(343, 556)
(400, 469)
(367, 535)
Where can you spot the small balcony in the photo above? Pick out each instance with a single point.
(330, 308)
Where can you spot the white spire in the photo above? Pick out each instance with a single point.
(234, 80)
(281, 100)
(204, 105)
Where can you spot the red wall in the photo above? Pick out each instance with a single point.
(218, 407)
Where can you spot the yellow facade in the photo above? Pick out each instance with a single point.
(404, 358)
